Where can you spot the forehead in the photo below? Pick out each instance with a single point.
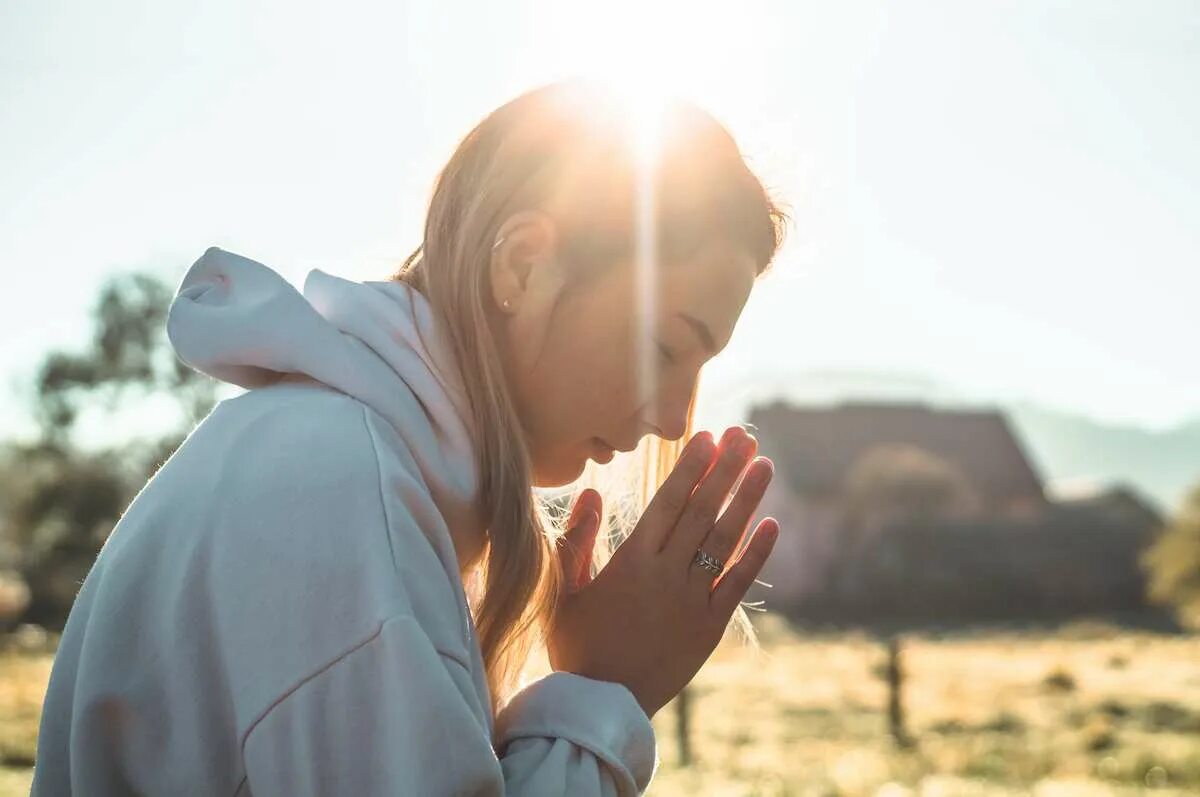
(712, 286)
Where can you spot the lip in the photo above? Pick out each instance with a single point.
(606, 451)
(611, 447)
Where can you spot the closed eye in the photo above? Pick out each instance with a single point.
(666, 353)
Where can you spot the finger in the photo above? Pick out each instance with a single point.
(732, 586)
(729, 531)
(576, 545)
(701, 511)
(664, 509)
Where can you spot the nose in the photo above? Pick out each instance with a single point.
(667, 415)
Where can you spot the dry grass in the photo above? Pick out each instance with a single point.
(1087, 711)
(23, 679)
(1090, 710)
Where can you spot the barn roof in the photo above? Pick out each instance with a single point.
(817, 446)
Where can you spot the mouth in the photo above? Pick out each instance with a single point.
(604, 451)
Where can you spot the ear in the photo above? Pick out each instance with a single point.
(523, 266)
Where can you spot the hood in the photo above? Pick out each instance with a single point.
(239, 321)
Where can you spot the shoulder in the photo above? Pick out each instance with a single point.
(319, 489)
(302, 435)
(310, 433)
(283, 479)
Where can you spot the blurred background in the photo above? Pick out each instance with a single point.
(974, 363)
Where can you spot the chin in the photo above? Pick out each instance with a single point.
(558, 474)
(567, 468)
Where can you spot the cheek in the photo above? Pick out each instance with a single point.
(587, 385)
(598, 390)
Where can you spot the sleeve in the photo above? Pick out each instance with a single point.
(388, 718)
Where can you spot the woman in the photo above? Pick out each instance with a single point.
(333, 586)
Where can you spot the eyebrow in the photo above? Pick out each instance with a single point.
(702, 331)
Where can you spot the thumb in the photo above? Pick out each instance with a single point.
(577, 543)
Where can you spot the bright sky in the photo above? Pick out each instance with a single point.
(1002, 197)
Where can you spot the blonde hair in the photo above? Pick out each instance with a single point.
(564, 148)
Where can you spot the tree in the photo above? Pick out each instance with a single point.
(65, 503)
(1172, 562)
(905, 482)
(129, 359)
(892, 484)
(888, 485)
(59, 500)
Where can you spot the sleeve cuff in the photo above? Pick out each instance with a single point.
(600, 716)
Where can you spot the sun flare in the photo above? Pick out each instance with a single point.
(642, 103)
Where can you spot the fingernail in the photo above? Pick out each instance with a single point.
(745, 445)
(762, 471)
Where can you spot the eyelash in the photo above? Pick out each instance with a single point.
(670, 358)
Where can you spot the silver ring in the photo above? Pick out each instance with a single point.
(708, 562)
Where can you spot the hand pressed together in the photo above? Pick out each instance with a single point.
(652, 616)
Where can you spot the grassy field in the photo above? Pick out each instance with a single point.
(23, 679)
(1087, 710)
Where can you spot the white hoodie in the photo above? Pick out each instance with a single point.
(280, 610)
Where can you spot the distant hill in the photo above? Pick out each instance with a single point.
(1069, 448)
(1071, 451)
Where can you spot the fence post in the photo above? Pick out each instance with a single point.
(682, 723)
(895, 681)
